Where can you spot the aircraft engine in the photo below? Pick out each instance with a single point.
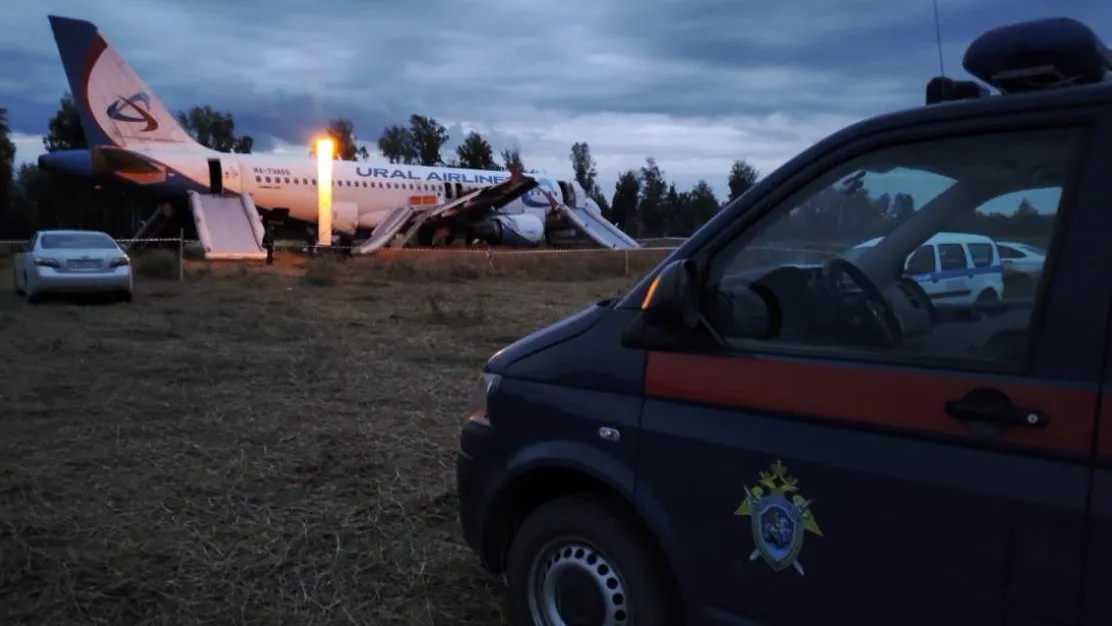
(519, 229)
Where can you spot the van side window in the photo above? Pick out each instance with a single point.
(981, 254)
(881, 215)
(1007, 252)
(951, 256)
(922, 261)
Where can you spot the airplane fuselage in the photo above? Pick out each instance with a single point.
(136, 140)
(363, 193)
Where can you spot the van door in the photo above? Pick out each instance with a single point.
(952, 282)
(987, 274)
(1098, 565)
(841, 474)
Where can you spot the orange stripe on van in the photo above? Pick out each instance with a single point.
(871, 396)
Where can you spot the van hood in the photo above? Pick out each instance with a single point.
(572, 326)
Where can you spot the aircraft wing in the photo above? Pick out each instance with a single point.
(484, 200)
(423, 209)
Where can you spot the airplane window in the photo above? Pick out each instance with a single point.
(314, 182)
(268, 179)
(287, 180)
(258, 179)
(364, 183)
(304, 181)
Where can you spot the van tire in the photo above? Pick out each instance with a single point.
(586, 539)
(988, 295)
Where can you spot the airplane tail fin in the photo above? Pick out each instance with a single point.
(117, 108)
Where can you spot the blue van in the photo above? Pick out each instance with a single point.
(766, 431)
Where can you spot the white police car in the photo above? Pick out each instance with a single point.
(956, 268)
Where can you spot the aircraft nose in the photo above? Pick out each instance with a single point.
(78, 162)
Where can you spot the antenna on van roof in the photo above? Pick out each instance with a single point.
(938, 38)
(943, 89)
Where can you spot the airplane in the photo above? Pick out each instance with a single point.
(134, 140)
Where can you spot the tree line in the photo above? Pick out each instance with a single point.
(643, 202)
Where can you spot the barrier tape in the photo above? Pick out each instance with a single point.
(497, 251)
(16, 242)
(472, 250)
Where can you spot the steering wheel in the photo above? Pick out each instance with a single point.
(882, 318)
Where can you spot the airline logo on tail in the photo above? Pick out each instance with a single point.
(140, 104)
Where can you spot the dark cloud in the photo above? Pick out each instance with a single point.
(758, 81)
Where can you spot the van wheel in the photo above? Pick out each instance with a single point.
(15, 282)
(987, 295)
(578, 560)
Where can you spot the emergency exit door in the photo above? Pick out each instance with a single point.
(223, 175)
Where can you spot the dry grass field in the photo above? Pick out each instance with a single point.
(259, 445)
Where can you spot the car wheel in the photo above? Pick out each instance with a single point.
(15, 283)
(988, 295)
(581, 560)
(125, 296)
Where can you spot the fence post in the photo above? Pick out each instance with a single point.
(181, 255)
(627, 262)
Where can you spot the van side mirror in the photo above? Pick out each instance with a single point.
(669, 318)
(673, 296)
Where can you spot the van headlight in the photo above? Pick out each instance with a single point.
(485, 387)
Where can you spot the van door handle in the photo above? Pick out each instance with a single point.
(986, 407)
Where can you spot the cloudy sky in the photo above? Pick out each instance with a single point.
(695, 84)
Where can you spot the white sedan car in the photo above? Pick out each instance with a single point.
(72, 261)
(1021, 258)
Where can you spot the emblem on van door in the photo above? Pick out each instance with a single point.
(779, 517)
